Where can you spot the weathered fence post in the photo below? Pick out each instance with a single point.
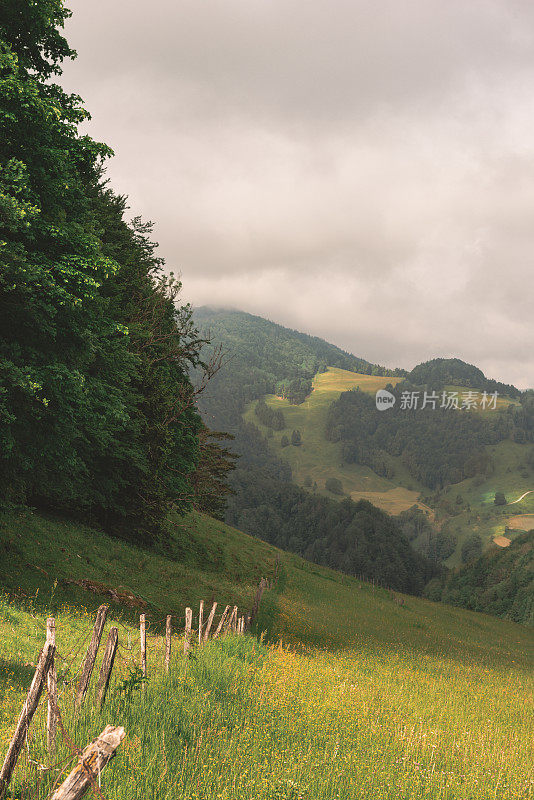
(107, 666)
(209, 623)
(231, 622)
(92, 761)
(200, 620)
(90, 656)
(188, 623)
(142, 632)
(221, 622)
(168, 634)
(51, 720)
(28, 710)
(257, 600)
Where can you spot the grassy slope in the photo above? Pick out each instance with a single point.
(320, 460)
(202, 559)
(368, 698)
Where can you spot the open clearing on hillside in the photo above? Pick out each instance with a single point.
(512, 476)
(393, 500)
(521, 522)
(364, 698)
(502, 541)
(317, 459)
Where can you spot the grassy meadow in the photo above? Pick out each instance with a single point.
(352, 692)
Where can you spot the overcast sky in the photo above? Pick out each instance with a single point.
(359, 170)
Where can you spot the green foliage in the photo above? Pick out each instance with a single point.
(431, 541)
(355, 538)
(210, 479)
(133, 682)
(269, 417)
(440, 372)
(501, 582)
(295, 390)
(334, 485)
(296, 438)
(438, 446)
(500, 499)
(472, 548)
(97, 412)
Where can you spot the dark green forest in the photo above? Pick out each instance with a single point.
(439, 446)
(355, 538)
(441, 372)
(500, 582)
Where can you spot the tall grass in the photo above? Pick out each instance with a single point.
(370, 700)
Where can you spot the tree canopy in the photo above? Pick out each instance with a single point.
(97, 411)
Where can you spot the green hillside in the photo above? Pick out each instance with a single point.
(460, 509)
(316, 459)
(356, 691)
(42, 558)
(261, 357)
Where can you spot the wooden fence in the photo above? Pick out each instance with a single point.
(97, 754)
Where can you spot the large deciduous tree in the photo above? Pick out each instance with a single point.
(97, 413)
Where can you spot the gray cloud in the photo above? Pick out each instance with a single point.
(361, 171)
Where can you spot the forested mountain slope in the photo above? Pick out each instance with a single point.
(500, 582)
(447, 462)
(262, 357)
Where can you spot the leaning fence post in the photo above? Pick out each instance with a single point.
(221, 622)
(107, 666)
(200, 620)
(230, 626)
(142, 632)
(28, 710)
(209, 623)
(51, 678)
(188, 623)
(92, 761)
(168, 634)
(90, 656)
